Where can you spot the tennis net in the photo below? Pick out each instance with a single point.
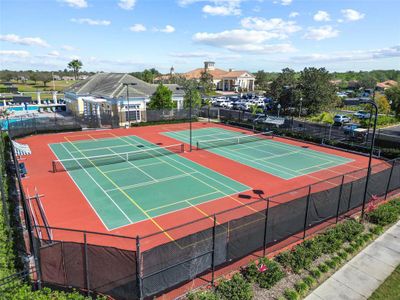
(60, 165)
(246, 138)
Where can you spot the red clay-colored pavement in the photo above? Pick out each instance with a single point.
(65, 206)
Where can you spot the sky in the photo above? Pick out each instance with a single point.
(131, 35)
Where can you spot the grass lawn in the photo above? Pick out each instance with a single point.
(30, 86)
(390, 289)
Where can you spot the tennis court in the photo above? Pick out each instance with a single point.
(260, 151)
(128, 179)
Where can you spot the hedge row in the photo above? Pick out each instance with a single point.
(339, 243)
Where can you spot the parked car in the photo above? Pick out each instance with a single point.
(361, 114)
(354, 131)
(340, 119)
(260, 118)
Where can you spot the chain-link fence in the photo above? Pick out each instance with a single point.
(139, 267)
(203, 245)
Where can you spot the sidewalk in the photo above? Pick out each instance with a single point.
(363, 274)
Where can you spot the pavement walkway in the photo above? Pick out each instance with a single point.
(365, 272)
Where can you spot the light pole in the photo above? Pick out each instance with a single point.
(370, 153)
(301, 102)
(279, 108)
(190, 120)
(127, 99)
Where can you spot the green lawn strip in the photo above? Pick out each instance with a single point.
(390, 288)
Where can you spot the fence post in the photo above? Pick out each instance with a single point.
(306, 216)
(213, 251)
(390, 178)
(86, 264)
(351, 192)
(138, 273)
(339, 200)
(265, 228)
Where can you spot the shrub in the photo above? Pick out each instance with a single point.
(301, 287)
(331, 263)
(266, 273)
(384, 214)
(291, 294)
(376, 230)
(316, 273)
(284, 258)
(323, 268)
(350, 249)
(337, 259)
(310, 281)
(235, 289)
(343, 254)
(202, 295)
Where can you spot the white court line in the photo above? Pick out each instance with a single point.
(101, 188)
(129, 162)
(213, 179)
(141, 184)
(185, 200)
(129, 168)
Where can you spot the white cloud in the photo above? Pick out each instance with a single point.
(241, 40)
(222, 10)
(294, 14)
(68, 48)
(205, 55)
(352, 15)
(262, 49)
(76, 3)
(91, 22)
(321, 33)
(357, 55)
(127, 4)
(30, 41)
(275, 25)
(54, 53)
(15, 53)
(322, 16)
(137, 28)
(167, 29)
(286, 2)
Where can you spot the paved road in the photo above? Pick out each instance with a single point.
(393, 130)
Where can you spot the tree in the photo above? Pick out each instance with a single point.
(162, 98)
(33, 76)
(393, 95)
(383, 104)
(283, 88)
(207, 82)
(316, 89)
(367, 81)
(75, 65)
(6, 75)
(192, 93)
(45, 77)
(263, 79)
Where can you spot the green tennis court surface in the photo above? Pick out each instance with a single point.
(125, 184)
(260, 152)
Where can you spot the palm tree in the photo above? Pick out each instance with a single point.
(75, 65)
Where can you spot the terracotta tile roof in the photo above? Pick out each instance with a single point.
(386, 84)
(216, 73)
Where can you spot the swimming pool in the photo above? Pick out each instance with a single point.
(22, 108)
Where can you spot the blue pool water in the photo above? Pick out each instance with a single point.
(21, 108)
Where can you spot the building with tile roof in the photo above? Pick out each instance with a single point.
(231, 80)
(114, 94)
